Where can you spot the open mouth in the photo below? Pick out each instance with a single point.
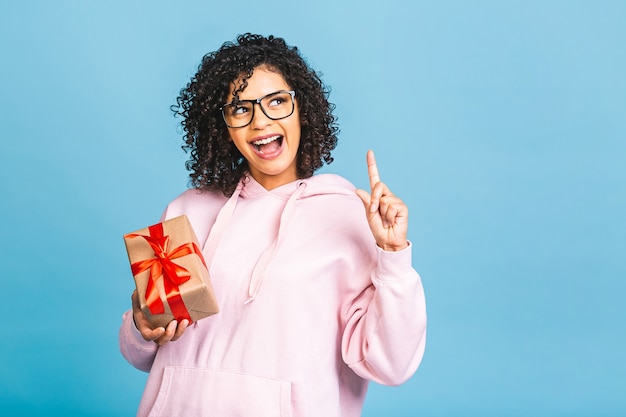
(268, 145)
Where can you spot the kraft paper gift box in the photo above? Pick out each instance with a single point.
(170, 274)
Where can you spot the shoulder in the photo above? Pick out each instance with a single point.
(332, 181)
(195, 200)
(200, 207)
(332, 199)
(329, 186)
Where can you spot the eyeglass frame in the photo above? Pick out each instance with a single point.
(292, 93)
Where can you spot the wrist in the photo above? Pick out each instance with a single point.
(393, 248)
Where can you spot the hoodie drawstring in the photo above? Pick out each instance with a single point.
(268, 254)
(221, 222)
(223, 219)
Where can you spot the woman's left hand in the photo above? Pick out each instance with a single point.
(387, 215)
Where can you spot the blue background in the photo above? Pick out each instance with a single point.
(501, 123)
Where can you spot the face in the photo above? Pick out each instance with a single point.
(269, 146)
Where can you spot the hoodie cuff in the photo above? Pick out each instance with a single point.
(133, 335)
(394, 265)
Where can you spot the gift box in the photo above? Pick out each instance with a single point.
(170, 274)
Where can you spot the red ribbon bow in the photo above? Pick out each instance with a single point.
(162, 265)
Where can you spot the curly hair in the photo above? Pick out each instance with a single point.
(215, 163)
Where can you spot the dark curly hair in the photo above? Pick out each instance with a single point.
(215, 163)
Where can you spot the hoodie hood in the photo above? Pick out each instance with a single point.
(321, 184)
(249, 188)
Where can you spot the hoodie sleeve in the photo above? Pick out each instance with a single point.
(385, 334)
(137, 351)
(199, 208)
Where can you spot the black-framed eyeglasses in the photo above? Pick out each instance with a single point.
(276, 106)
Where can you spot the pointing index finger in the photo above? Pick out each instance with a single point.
(372, 169)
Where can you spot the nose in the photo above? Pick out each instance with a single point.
(259, 118)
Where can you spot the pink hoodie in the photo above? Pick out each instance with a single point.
(311, 308)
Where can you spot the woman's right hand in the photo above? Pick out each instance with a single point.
(160, 335)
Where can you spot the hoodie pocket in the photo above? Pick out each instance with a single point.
(191, 392)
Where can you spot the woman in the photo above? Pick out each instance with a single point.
(316, 299)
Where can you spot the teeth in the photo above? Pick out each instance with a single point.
(265, 141)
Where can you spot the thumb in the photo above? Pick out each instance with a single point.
(365, 198)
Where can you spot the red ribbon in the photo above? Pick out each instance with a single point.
(162, 265)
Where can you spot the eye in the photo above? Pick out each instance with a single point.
(278, 99)
(238, 110)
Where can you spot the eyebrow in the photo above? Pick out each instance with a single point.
(239, 99)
